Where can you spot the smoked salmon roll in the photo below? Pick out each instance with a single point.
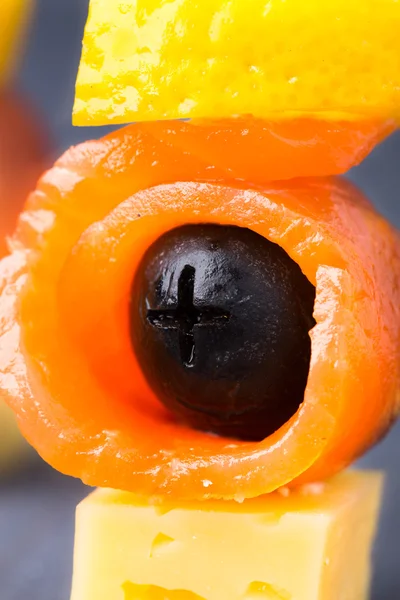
(168, 326)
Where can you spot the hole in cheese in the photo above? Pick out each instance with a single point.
(259, 590)
(135, 591)
(162, 509)
(160, 543)
(270, 519)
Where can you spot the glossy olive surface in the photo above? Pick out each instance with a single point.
(220, 321)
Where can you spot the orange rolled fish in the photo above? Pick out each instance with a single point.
(67, 364)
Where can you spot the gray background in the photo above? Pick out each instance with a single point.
(36, 508)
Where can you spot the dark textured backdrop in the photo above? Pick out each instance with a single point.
(36, 511)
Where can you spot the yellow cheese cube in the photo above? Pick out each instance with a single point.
(146, 60)
(311, 544)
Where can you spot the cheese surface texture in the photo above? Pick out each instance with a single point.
(311, 544)
(168, 59)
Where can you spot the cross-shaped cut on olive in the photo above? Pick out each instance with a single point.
(220, 320)
(186, 316)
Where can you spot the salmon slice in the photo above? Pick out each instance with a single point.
(67, 366)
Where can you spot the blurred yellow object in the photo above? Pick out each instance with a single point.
(23, 156)
(12, 445)
(169, 59)
(14, 15)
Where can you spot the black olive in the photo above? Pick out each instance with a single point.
(220, 321)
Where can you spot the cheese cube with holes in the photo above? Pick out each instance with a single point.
(310, 544)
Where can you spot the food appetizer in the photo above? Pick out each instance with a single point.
(22, 159)
(200, 317)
